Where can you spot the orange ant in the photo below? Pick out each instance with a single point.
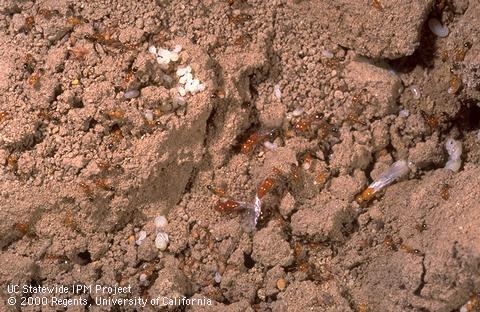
(295, 172)
(440, 5)
(307, 161)
(431, 120)
(461, 52)
(86, 189)
(129, 76)
(29, 63)
(103, 165)
(22, 228)
(12, 162)
(30, 22)
(473, 304)
(421, 227)
(3, 115)
(389, 242)
(320, 178)
(68, 220)
(377, 5)
(306, 122)
(34, 79)
(229, 206)
(256, 138)
(352, 118)
(216, 190)
(410, 250)
(239, 18)
(366, 195)
(455, 85)
(78, 52)
(444, 192)
(116, 136)
(265, 187)
(241, 40)
(73, 21)
(103, 184)
(116, 114)
(46, 13)
(362, 308)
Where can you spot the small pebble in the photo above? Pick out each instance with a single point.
(181, 91)
(161, 241)
(338, 94)
(160, 222)
(437, 28)
(131, 94)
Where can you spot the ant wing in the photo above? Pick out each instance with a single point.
(248, 219)
(251, 214)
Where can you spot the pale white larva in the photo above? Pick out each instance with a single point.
(437, 28)
(160, 222)
(454, 150)
(130, 94)
(161, 241)
(141, 237)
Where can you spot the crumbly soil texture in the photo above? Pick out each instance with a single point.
(303, 104)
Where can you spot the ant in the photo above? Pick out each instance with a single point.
(265, 186)
(3, 115)
(227, 206)
(366, 195)
(103, 184)
(216, 190)
(256, 138)
(34, 79)
(410, 250)
(306, 122)
(377, 5)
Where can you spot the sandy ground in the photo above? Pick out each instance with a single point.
(303, 104)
